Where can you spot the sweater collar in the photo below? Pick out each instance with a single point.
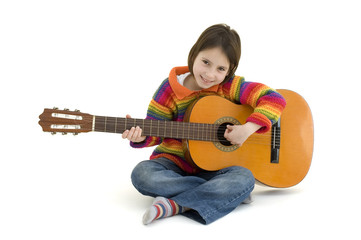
(181, 91)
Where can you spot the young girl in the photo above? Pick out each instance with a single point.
(178, 188)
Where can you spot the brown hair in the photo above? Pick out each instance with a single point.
(219, 35)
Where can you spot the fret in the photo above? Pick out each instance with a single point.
(183, 133)
(209, 132)
(97, 123)
(125, 123)
(198, 132)
(165, 128)
(120, 128)
(209, 136)
(215, 128)
(108, 124)
(150, 129)
(105, 124)
(102, 124)
(158, 129)
(177, 129)
(202, 131)
(115, 127)
(143, 127)
(181, 126)
(162, 128)
(213, 133)
(171, 129)
(200, 128)
(194, 131)
(189, 132)
(191, 129)
(185, 130)
(205, 132)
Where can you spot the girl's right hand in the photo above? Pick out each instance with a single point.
(134, 134)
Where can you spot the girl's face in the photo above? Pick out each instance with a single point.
(210, 68)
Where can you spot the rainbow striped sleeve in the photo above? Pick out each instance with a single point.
(160, 108)
(268, 104)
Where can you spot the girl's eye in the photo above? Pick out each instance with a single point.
(205, 62)
(222, 69)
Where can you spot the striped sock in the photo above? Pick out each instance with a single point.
(162, 208)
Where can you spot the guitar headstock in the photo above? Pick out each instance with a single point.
(65, 121)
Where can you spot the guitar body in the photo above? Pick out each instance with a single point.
(295, 146)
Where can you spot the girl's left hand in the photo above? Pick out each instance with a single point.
(238, 134)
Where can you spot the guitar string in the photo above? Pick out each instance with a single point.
(208, 132)
(251, 140)
(206, 129)
(182, 124)
(260, 139)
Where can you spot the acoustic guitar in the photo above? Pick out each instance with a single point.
(279, 158)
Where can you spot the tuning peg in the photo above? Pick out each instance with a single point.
(75, 134)
(55, 108)
(53, 133)
(76, 110)
(64, 133)
(66, 109)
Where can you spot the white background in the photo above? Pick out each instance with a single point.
(108, 58)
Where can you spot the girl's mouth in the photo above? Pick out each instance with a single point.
(206, 81)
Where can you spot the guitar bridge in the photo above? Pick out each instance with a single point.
(276, 142)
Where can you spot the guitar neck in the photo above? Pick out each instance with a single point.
(156, 128)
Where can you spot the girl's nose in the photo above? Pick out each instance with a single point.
(210, 74)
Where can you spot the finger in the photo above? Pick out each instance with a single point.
(135, 136)
(139, 132)
(125, 134)
(130, 134)
(230, 127)
(227, 134)
(128, 116)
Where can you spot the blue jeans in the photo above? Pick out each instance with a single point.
(209, 195)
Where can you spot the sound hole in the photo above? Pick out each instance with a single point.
(220, 134)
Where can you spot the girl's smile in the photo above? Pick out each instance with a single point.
(206, 81)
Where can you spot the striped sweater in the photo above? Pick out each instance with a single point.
(171, 100)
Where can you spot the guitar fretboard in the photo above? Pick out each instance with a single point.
(166, 129)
